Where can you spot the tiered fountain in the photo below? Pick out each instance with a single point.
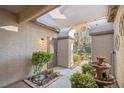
(102, 74)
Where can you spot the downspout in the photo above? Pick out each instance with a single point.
(113, 54)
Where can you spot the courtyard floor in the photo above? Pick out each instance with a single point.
(64, 81)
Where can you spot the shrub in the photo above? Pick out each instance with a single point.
(79, 80)
(81, 56)
(86, 68)
(39, 59)
(50, 71)
(76, 57)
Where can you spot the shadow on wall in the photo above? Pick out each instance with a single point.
(14, 69)
(14, 65)
(8, 21)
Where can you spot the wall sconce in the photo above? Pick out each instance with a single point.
(42, 40)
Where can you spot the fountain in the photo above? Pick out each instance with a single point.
(102, 74)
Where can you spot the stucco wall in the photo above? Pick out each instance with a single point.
(120, 53)
(17, 42)
(102, 46)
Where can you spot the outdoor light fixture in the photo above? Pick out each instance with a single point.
(42, 40)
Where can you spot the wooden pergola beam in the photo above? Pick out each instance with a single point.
(34, 11)
(112, 11)
(45, 26)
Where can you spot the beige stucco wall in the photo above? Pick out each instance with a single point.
(102, 46)
(17, 42)
(120, 53)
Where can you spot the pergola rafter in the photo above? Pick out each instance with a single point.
(112, 11)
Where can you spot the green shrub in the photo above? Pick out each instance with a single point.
(50, 71)
(86, 68)
(81, 56)
(76, 57)
(79, 80)
(39, 59)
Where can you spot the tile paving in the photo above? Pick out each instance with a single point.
(64, 81)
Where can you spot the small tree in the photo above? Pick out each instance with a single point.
(39, 59)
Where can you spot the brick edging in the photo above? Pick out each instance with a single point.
(31, 84)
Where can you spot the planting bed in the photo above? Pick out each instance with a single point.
(43, 80)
